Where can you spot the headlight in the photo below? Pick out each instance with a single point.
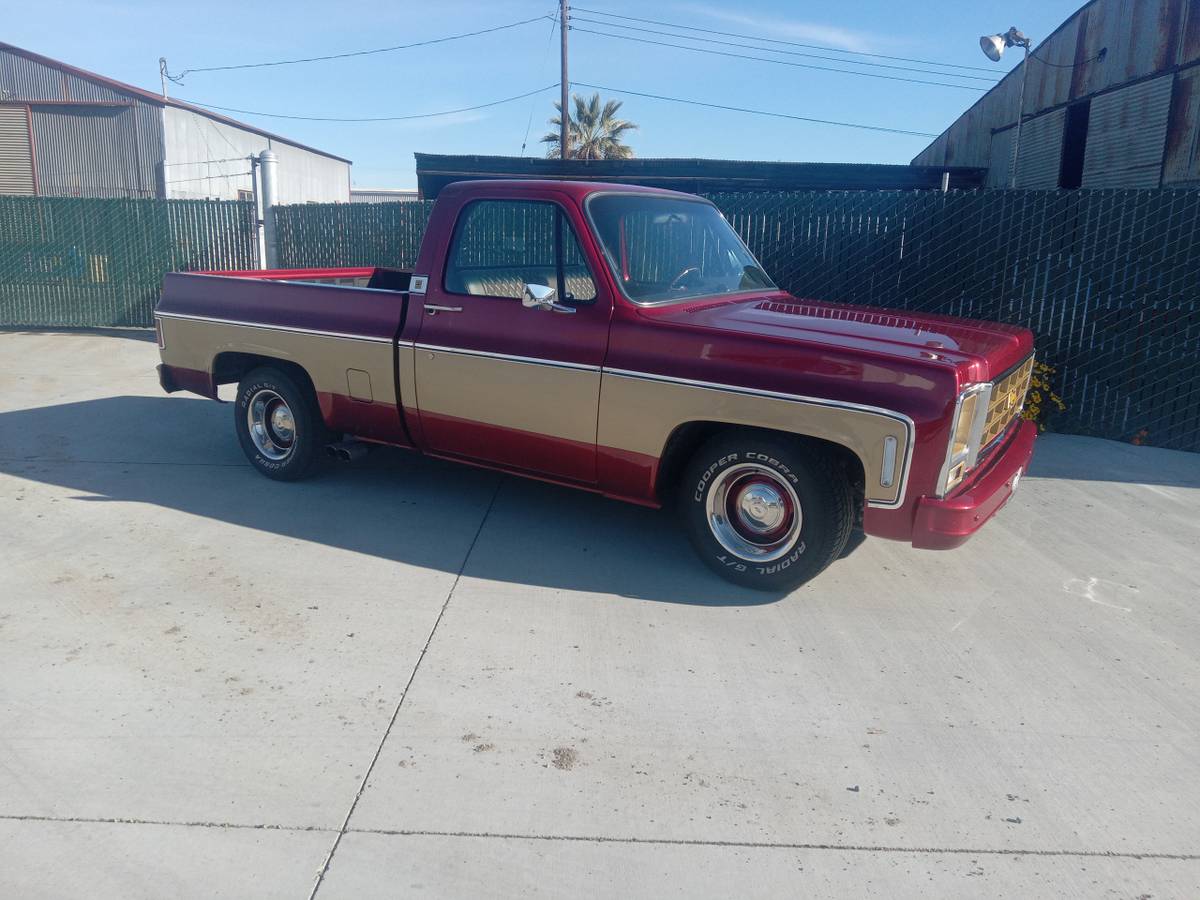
(970, 413)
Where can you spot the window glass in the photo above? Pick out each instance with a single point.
(501, 245)
(666, 248)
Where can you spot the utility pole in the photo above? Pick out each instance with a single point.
(162, 74)
(564, 136)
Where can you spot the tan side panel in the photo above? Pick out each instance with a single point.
(194, 344)
(639, 415)
(542, 399)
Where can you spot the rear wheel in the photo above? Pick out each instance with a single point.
(764, 511)
(278, 424)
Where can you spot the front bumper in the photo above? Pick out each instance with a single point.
(946, 523)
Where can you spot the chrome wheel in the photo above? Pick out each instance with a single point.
(754, 512)
(271, 425)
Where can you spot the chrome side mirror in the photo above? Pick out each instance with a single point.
(539, 296)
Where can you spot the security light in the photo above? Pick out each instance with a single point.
(993, 44)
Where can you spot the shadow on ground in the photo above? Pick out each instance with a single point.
(181, 454)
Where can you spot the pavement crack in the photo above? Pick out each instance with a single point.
(362, 786)
(778, 845)
(121, 820)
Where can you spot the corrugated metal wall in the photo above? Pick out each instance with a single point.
(1106, 44)
(97, 151)
(1040, 155)
(1126, 133)
(81, 148)
(16, 157)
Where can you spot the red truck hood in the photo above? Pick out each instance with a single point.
(985, 349)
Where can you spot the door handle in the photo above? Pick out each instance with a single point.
(433, 309)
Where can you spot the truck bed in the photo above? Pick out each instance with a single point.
(338, 325)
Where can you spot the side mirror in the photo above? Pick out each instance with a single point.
(539, 296)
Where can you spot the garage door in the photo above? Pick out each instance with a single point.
(16, 155)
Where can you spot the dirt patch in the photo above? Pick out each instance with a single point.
(565, 758)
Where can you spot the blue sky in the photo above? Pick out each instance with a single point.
(123, 40)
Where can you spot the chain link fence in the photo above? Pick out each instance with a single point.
(71, 262)
(1108, 280)
(351, 234)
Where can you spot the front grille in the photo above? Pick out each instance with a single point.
(1008, 396)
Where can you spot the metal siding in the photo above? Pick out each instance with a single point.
(382, 196)
(194, 140)
(1040, 154)
(1139, 38)
(90, 151)
(16, 156)
(1126, 133)
(1000, 159)
(1181, 161)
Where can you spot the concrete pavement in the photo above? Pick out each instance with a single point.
(409, 677)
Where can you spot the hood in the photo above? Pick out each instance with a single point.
(983, 349)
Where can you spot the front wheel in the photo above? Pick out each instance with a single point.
(278, 424)
(764, 511)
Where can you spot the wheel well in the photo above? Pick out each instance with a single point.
(230, 368)
(687, 439)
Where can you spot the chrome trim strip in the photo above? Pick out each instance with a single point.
(268, 325)
(508, 357)
(909, 426)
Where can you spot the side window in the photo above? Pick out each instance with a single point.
(499, 246)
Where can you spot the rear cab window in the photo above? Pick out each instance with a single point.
(499, 246)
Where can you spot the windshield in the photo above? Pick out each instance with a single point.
(668, 248)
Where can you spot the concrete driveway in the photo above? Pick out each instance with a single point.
(407, 677)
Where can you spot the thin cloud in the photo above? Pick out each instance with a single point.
(809, 32)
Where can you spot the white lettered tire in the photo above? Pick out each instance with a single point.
(278, 424)
(765, 511)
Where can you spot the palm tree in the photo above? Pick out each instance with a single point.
(595, 131)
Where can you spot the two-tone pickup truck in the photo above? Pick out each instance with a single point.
(621, 340)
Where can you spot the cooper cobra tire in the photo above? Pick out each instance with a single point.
(278, 424)
(764, 511)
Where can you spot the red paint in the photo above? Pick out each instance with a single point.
(945, 524)
(511, 449)
(295, 274)
(914, 364)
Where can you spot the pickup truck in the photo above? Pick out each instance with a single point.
(621, 340)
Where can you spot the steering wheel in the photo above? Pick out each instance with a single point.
(674, 284)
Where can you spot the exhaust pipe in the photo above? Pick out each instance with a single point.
(348, 451)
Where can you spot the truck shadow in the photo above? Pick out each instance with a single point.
(181, 454)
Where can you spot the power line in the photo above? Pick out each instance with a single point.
(208, 177)
(200, 162)
(178, 79)
(446, 112)
(991, 80)
(541, 72)
(783, 62)
(926, 62)
(757, 112)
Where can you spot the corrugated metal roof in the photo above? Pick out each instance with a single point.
(1126, 132)
(67, 82)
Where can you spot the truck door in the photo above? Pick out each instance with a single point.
(499, 381)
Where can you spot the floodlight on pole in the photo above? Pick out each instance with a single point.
(993, 47)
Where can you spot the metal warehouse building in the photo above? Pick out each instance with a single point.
(68, 132)
(1112, 100)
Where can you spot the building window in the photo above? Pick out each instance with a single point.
(1075, 133)
(245, 195)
